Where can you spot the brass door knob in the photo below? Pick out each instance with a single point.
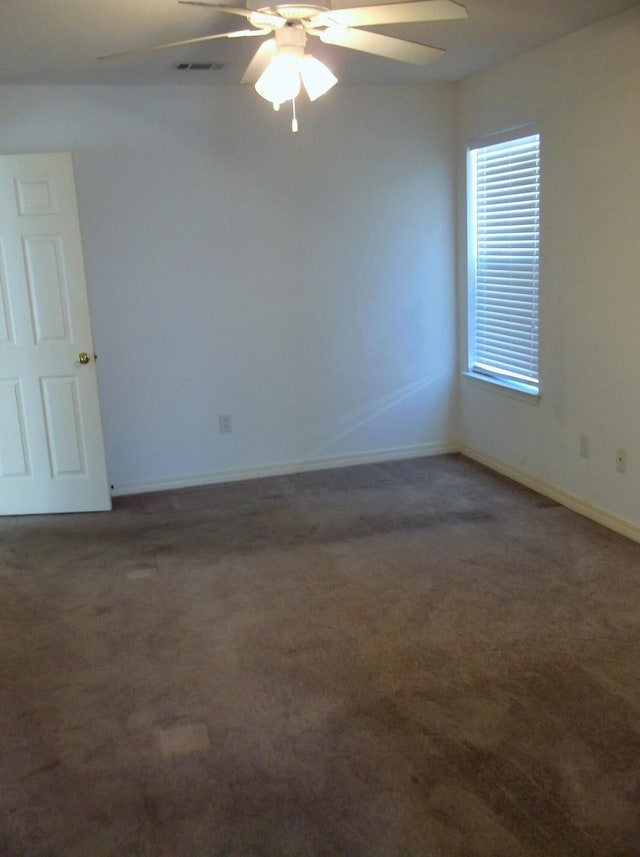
(83, 357)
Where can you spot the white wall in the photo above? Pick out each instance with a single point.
(585, 92)
(303, 283)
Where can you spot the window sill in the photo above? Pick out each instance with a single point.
(513, 390)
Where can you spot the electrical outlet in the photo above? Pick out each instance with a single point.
(584, 446)
(621, 460)
(225, 422)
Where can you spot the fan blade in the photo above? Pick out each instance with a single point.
(392, 13)
(232, 35)
(232, 10)
(260, 61)
(240, 34)
(382, 46)
(258, 18)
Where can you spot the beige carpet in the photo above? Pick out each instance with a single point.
(406, 660)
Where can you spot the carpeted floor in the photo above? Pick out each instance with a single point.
(415, 659)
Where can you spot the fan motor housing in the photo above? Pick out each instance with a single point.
(291, 12)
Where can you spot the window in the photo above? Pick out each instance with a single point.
(504, 245)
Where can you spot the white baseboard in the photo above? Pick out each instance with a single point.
(565, 498)
(286, 468)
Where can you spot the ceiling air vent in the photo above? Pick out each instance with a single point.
(199, 66)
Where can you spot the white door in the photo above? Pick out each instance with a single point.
(51, 446)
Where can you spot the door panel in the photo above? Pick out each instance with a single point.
(36, 195)
(14, 457)
(51, 446)
(6, 328)
(47, 288)
(64, 431)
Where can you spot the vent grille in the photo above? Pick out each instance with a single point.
(199, 66)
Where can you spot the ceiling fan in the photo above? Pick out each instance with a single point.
(281, 64)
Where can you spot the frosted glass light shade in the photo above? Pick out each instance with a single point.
(316, 77)
(280, 81)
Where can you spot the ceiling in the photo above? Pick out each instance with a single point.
(57, 42)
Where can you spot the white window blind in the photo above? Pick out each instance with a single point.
(505, 211)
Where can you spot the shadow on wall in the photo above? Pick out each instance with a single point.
(379, 407)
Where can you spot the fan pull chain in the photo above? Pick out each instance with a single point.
(294, 121)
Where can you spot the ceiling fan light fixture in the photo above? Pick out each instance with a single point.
(316, 77)
(280, 81)
(280, 67)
